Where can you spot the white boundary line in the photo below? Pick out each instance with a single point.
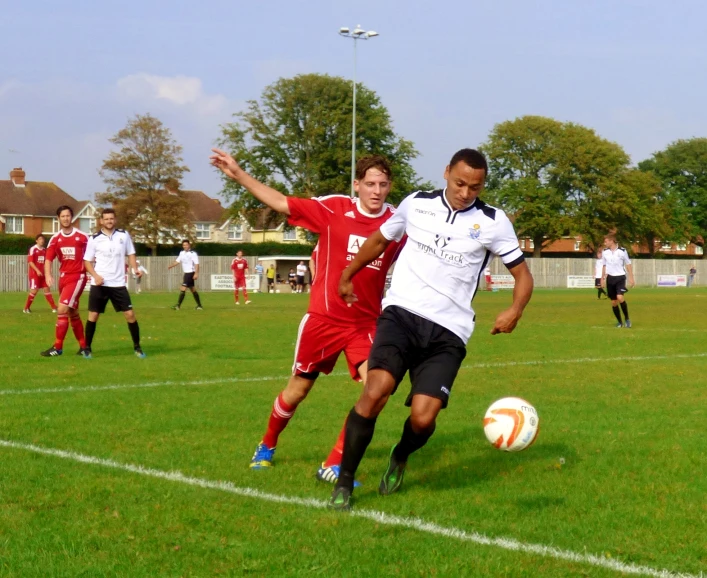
(379, 517)
(224, 380)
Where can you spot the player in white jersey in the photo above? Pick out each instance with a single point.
(616, 263)
(427, 318)
(189, 261)
(105, 262)
(598, 272)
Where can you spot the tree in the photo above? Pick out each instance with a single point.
(682, 171)
(298, 139)
(142, 179)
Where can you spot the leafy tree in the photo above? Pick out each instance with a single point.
(142, 179)
(682, 170)
(297, 139)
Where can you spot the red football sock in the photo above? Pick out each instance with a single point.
(279, 418)
(245, 294)
(78, 330)
(30, 298)
(235, 295)
(337, 451)
(50, 299)
(62, 326)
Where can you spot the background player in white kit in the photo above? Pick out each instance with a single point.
(189, 261)
(616, 263)
(598, 272)
(105, 263)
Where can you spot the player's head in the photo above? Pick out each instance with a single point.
(239, 254)
(610, 241)
(108, 219)
(66, 216)
(465, 175)
(40, 240)
(186, 245)
(372, 182)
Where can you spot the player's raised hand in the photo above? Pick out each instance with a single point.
(346, 291)
(225, 163)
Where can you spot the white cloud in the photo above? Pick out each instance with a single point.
(178, 90)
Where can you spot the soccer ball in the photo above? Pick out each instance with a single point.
(511, 424)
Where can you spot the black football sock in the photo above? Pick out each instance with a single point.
(196, 298)
(181, 298)
(135, 333)
(359, 433)
(90, 332)
(624, 308)
(410, 441)
(615, 309)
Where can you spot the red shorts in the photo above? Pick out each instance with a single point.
(70, 289)
(37, 282)
(319, 344)
(239, 283)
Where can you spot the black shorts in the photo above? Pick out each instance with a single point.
(597, 282)
(431, 353)
(615, 285)
(188, 280)
(300, 279)
(271, 282)
(99, 296)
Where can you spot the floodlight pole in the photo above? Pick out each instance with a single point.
(357, 34)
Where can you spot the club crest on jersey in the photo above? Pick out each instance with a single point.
(475, 231)
(441, 241)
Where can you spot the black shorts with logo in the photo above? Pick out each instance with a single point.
(615, 285)
(188, 280)
(99, 296)
(431, 353)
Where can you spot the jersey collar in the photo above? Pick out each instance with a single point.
(370, 215)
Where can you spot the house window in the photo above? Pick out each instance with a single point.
(666, 246)
(682, 247)
(290, 234)
(14, 225)
(203, 231)
(235, 232)
(577, 245)
(86, 225)
(698, 250)
(531, 244)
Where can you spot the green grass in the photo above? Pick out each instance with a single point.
(619, 468)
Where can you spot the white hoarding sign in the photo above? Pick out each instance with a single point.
(580, 281)
(503, 282)
(225, 283)
(672, 280)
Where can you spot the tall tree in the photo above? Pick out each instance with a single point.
(297, 138)
(682, 170)
(142, 179)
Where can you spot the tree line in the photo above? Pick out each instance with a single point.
(553, 178)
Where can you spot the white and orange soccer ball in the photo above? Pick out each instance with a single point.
(511, 424)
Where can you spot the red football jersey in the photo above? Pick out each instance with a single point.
(239, 267)
(36, 255)
(343, 227)
(69, 249)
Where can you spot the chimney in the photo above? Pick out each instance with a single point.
(17, 176)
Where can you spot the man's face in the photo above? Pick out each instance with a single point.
(372, 190)
(464, 184)
(40, 242)
(65, 219)
(609, 243)
(239, 254)
(186, 246)
(108, 221)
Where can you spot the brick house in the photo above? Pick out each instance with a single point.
(29, 207)
(569, 245)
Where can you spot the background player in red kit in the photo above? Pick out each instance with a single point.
(69, 246)
(239, 266)
(329, 327)
(35, 271)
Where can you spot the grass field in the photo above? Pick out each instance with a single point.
(118, 466)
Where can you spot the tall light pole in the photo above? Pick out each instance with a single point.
(357, 34)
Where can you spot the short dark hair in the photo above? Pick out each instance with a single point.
(186, 241)
(108, 211)
(611, 237)
(64, 208)
(372, 162)
(40, 235)
(471, 157)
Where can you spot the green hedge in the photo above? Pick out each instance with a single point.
(15, 244)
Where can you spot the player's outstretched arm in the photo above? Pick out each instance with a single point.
(266, 195)
(369, 252)
(507, 320)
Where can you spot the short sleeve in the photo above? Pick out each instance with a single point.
(394, 228)
(179, 257)
(312, 214)
(504, 241)
(196, 259)
(51, 250)
(129, 246)
(90, 253)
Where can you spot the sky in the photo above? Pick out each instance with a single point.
(73, 73)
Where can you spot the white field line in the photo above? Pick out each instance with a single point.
(284, 378)
(379, 517)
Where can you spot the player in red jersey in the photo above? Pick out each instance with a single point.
(330, 326)
(35, 272)
(69, 246)
(239, 266)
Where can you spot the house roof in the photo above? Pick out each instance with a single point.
(36, 198)
(204, 209)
